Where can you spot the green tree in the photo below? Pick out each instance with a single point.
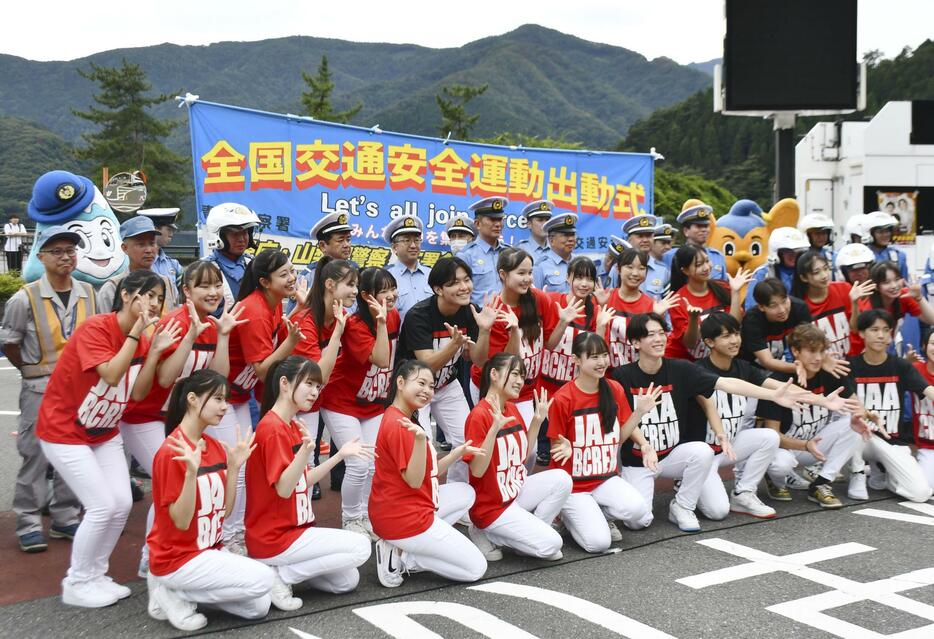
(130, 137)
(317, 100)
(453, 102)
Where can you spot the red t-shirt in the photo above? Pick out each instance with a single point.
(252, 342)
(315, 341)
(78, 406)
(273, 523)
(505, 475)
(153, 408)
(169, 547)
(907, 306)
(923, 414)
(396, 510)
(679, 321)
(558, 366)
(358, 387)
(833, 317)
(594, 453)
(531, 354)
(621, 351)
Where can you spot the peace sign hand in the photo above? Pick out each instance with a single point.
(239, 452)
(542, 404)
(229, 319)
(166, 336)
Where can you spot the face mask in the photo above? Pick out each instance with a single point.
(457, 245)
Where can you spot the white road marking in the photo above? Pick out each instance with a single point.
(9, 412)
(926, 519)
(394, 619)
(303, 634)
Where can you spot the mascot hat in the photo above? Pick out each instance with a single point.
(744, 216)
(58, 196)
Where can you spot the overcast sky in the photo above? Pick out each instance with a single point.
(685, 30)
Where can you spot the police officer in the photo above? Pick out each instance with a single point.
(881, 226)
(819, 230)
(695, 219)
(482, 254)
(536, 214)
(607, 274)
(662, 240)
(138, 235)
(461, 231)
(37, 322)
(551, 272)
(640, 230)
(332, 232)
(230, 227)
(404, 236)
(164, 221)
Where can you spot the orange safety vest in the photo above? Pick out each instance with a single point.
(49, 330)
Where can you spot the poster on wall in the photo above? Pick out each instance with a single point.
(910, 205)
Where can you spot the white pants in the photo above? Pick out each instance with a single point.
(236, 417)
(449, 408)
(837, 443)
(310, 420)
(235, 584)
(585, 514)
(99, 477)
(690, 462)
(525, 526)
(142, 441)
(324, 558)
(926, 461)
(442, 549)
(755, 448)
(903, 475)
(358, 476)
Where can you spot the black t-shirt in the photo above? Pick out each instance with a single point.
(423, 329)
(730, 407)
(666, 425)
(882, 389)
(805, 422)
(759, 333)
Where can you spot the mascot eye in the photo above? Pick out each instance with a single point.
(728, 248)
(105, 237)
(755, 248)
(85, 237)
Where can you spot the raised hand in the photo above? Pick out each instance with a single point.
(542, 404)
(467, 449)
(862, 289)
(914, 288)
(601, 294)
(145, 319)
(648, 399)
(486, 316)
(239, 452)
(741, 279)
(301, 291)
(308, 440)
(912, 355)
(605, 315)
(196, 326)
(665, 304)
(573, 311)
(801, 374)
(379, 310)
(166, 336)
(229, 319)
(340, 317)
(295, 334)
(188, 455)
(415, 429)
(459, 339)
(507, 317)
(356, 448)
(561, 450)
(693, 311)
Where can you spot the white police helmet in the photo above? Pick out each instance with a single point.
(786, 238)
(853, 254)
(228, 214)
(857, 225)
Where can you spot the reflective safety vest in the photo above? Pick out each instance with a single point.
(50, 332)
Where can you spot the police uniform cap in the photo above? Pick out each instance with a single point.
(695, 212)
(561, 223)
(538, 208)
(664, 232)
(640, 224)
(58, 196)
(461, 223)
(401, 226)
(330, 223)
(161, 217)
(490, 206)
(618, 245)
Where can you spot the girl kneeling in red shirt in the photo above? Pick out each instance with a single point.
(280, 524)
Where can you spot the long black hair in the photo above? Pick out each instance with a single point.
(803, 268)
(204, 382)
(590, 344)
(684, 258)
(406, 369)
(502, 361)
(529, 321)
(878, 274)
(373, 281)
(138, 282)
(266, 262)
(583, 266)
(296, 369)
(327, 269)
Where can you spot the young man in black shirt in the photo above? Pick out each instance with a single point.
(440, 331)
(666, 428)
(811, 433)
(767, 325)
(881, 381)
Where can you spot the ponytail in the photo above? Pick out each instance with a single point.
(590, 344)
(202, 382)
(266, 262)
(328, 269)
(295, 369)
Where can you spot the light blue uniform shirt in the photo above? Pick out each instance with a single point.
(168, 266)
(892, 254)
(481, 257)
(656, 279)
(412, 285)
(537, 251)
(787, 275)
(551, 274)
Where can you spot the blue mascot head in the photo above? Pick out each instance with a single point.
(72, 201)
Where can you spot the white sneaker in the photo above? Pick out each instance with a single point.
(795, 481)
(183, 615)
(878, 480)
(87, 594)
(748, 503)
(615, 534)
(483, 544)
(153, 608)
(857, 487)
(109, 585)
(683, 518)
(369, 528)
(281, 594)
(388, 564)
(558, 556)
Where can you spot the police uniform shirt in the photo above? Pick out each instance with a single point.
(656, 279)
(730, 407)
(882, 387)
(19, 325)
(666, 425)
(411, 285)
(603, 276)
(423, 329)
(761, 334)
(551, 273)
(537, 251)
(891, 254)
(785, 274)
(168, 266)
(482, 258)
(805, 422)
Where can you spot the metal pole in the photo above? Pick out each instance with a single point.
(784, 127)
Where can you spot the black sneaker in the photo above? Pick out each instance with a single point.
(316, 493)
(543, 458)
(136, 490)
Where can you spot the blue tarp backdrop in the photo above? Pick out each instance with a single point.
(291, 170)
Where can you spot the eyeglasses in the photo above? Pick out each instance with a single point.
(58, 252)
(409, 239)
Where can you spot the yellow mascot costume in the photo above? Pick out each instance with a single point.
(742, 235)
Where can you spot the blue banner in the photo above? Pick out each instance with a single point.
(292, 169)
